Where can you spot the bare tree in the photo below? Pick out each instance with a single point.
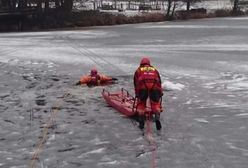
(172, 4)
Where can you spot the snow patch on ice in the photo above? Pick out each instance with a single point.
(97, 151)
(235, 82)
(137, 139)
(229, 81)
(201, 120)
(217, 115)
(71, 132)
(100, 150)
(238, 86)
(209, 85)
(115, 162)
(167, 85)
(15, 133)
(189, 101)
(5, 152)
(52, 137)
(97, 141)
(231, 95)
(221, 104)
(232, 146)
(242, 114)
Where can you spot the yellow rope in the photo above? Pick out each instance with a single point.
(45, 131)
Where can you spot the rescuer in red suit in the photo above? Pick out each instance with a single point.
(95, 79)
(147, 84)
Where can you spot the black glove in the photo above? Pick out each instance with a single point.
(114, 79)
(78, 83)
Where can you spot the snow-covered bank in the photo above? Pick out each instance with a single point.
(210, 5)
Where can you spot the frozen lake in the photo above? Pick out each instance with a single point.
(204, 67)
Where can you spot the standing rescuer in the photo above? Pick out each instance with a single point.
(147, 84)
(95, 79)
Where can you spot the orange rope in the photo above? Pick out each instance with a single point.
(151, 141)
(45, 131)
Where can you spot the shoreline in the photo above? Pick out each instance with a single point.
(53, 20)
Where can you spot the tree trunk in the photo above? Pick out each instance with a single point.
(46, 4)
(115, 4)
(168, 8)
(67, 5)
(12, 4)
(188, 5)
(39, 5)
(235, 6)
(94, 5)
(173, 10)
(57, 4)
(22, 4)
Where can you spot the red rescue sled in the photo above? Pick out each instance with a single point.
(123, 102)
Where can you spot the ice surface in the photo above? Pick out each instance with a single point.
(203, 65)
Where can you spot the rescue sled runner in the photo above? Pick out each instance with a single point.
(123, 102)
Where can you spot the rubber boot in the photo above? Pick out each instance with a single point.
(157, 121)
(141, 122)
